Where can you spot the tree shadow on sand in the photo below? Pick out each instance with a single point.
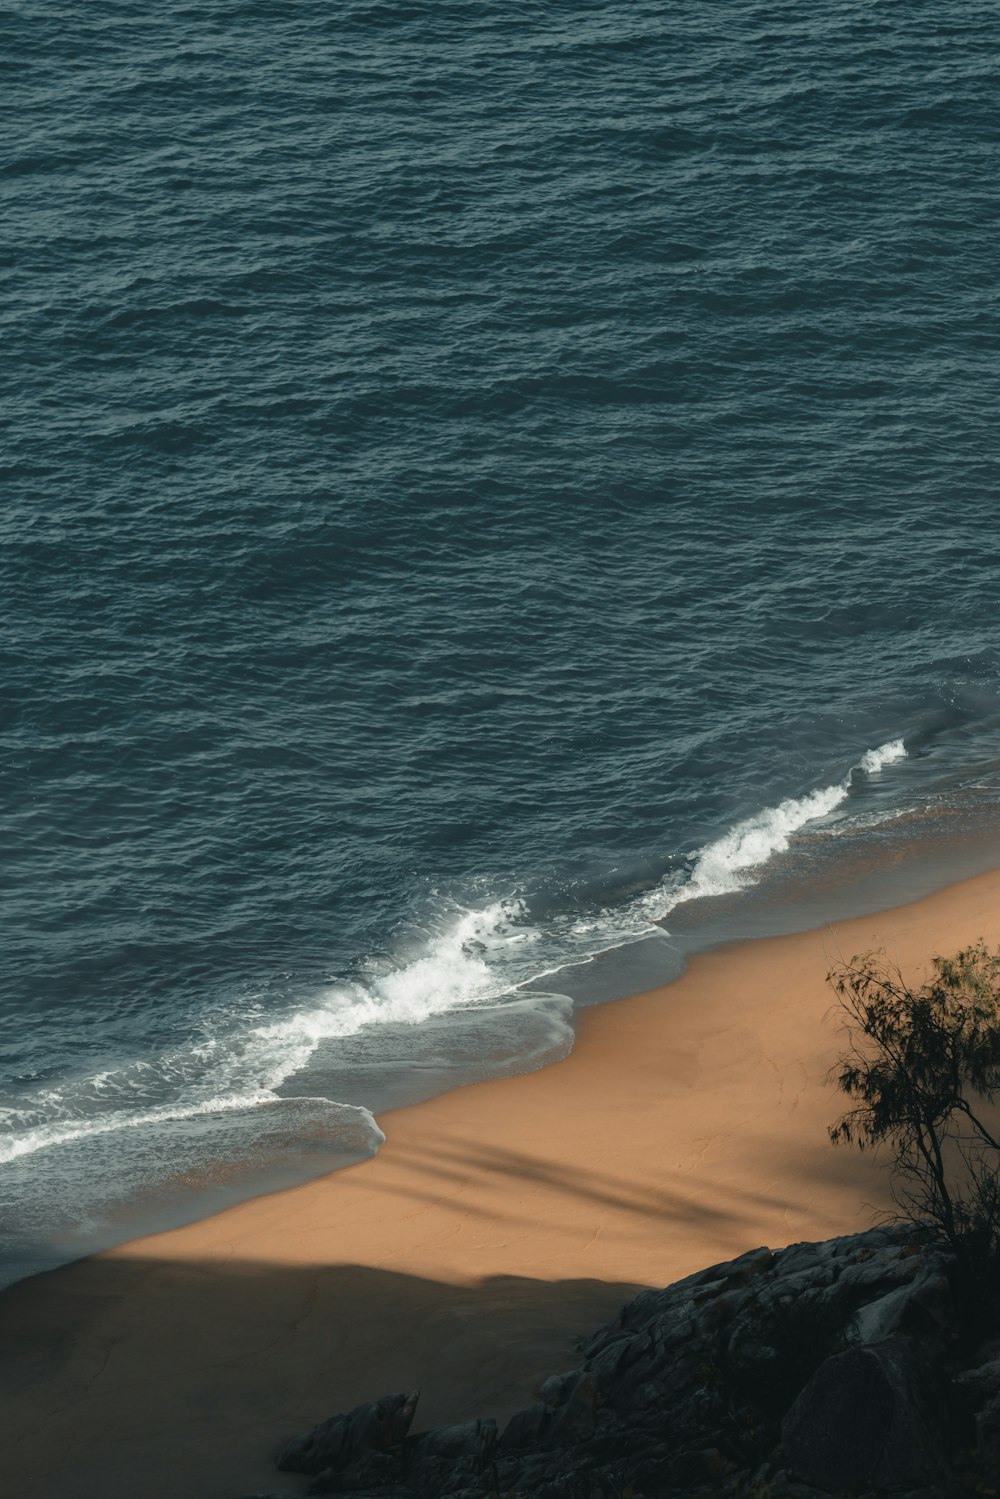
(179, 1378)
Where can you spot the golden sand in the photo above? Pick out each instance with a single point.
(498, 1222)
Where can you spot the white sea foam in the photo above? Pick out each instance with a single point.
(473, 956)
(460, 964)
(874, 760)
(457, 966)
(66, 1131)
(721, 867)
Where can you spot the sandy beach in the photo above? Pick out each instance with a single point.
(497, 1224)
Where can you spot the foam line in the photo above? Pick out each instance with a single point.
(45, 1136)
(720, 866)
(475, 956)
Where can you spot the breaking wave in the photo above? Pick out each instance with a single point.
(722, 867)
(472, 957)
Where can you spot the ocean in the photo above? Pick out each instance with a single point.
(495, 498)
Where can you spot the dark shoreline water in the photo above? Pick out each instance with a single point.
(474, 477)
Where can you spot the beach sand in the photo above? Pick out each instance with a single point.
(498, 1223)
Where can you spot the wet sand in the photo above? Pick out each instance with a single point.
(497, 1223)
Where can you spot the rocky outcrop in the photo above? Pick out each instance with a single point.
(840, 1368)
(337, 1444)
(862, 1422)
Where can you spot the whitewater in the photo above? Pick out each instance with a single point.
(476, 957)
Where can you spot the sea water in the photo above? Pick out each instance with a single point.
(494, 498)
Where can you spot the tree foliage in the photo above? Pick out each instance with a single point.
(923, 1072)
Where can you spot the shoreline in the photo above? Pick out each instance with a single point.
(498, 1221)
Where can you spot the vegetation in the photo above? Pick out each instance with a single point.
(923, 1072)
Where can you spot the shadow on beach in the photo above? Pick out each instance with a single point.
(122, 1376)
(181, 1375)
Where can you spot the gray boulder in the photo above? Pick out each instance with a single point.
(821, 1369)
(467, 1439)
(337, 1443)
(436, 1462)
(567, 1413)
(861, 1423)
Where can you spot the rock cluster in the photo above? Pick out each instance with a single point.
(843, 1368)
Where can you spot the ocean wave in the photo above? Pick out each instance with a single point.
(68, 1131)
(874, 760)
(470, 956)
(722, 867)
(457, 967)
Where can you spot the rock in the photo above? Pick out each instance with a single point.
(336, 1443)
(783, 1486)
(366, 1491)
(861, 1422)
(558, 1388)
(988, 1436)
(430, 1463)
(824, 1368)
(566, 1414)
(982, 1381)
(524, 1429)
(921, 1307)
(376, 1472)
(698, 1466)
(469, 1439)
(571, 1400)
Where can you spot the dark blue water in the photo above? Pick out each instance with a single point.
(477, 478)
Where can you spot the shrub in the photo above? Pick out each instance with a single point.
(923, 1070)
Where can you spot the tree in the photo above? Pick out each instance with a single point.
(923, 1069)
